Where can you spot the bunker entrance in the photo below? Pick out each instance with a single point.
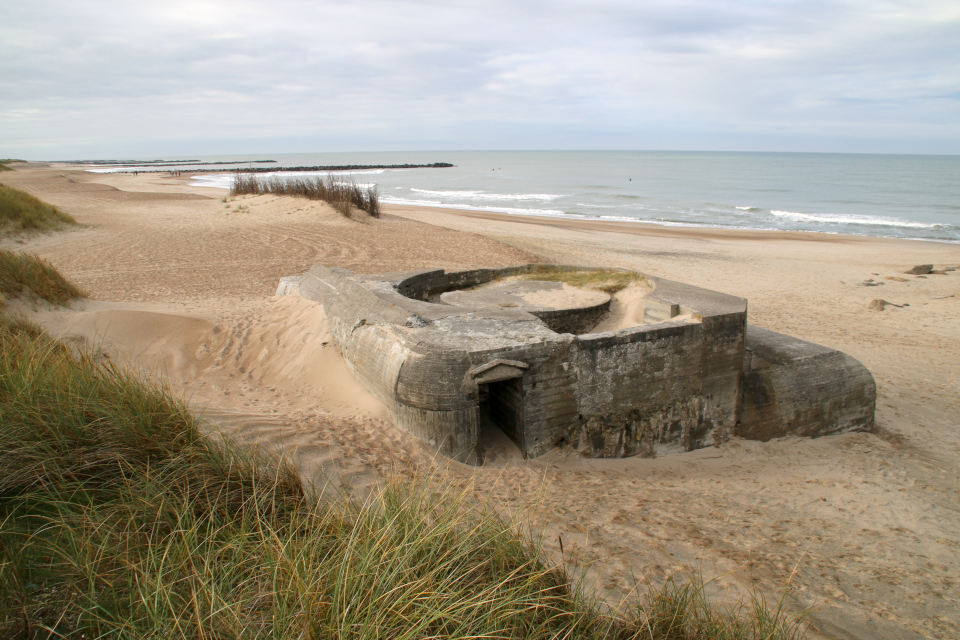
(501, 404)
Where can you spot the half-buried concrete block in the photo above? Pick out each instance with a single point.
(792, 387)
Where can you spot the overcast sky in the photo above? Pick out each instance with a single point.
(107, 79)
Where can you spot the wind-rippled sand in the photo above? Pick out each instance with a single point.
(867, 525)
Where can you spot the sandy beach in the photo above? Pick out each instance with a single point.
(864, 527)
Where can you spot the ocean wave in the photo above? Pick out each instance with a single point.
(119, 169)
(217, 181)
(837, 218)
(749, 208)
(598, 206)
(481, 195)
(297, 174)
(551, 213)
(470, 207)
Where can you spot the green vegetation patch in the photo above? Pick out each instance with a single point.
(607, 280)
(340, 193)
(5, 161)
(21, 212)
(120, 519)
(26, 273)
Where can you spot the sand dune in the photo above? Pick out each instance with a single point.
(867, 525)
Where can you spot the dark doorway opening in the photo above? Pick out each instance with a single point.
(501, 413)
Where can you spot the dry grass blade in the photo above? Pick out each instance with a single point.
(5, 161)
(21, 212)
(340, 193)
(27, 273)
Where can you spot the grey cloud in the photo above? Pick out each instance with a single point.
(378, 74)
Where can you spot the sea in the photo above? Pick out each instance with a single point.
(896, 196)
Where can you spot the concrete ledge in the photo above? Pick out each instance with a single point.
(792, 387)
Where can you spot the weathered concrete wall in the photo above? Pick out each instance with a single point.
(573, 320)
(550, 393)
(798, 388)
(639, 391)
(427, 284)
(667, 387)
(367, 330)
(661, 388)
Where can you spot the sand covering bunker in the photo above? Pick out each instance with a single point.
(279, 344)
(445, 355)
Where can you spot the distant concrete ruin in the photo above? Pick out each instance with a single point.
(445, 352)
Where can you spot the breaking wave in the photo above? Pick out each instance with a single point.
(468, 207)
(482, 195)
(837, 218)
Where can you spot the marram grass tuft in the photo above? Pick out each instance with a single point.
(340, 193)
(21, 212)
(28, 274)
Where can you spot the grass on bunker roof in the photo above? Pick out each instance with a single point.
(607, 280)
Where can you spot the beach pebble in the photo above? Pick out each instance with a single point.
(877, 305)
(920, 269)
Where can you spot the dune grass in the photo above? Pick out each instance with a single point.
(5, 161)
(21, 212)
(340, 193)
(607, 280)
(28, 274)
(120, 519)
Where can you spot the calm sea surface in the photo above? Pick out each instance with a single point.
(877, 195)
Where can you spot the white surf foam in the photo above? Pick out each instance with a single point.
(837, 218)
(119, 169)
(217, 181)
(482, 195)
(470, 207)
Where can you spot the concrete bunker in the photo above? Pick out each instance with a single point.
(445, 352)
(501, 403)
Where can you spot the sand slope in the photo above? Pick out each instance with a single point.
(183, 284)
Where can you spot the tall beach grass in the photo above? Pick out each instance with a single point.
(5, 161)
(120, 519)
(28, 274)
(340, 193)
(20, 212)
